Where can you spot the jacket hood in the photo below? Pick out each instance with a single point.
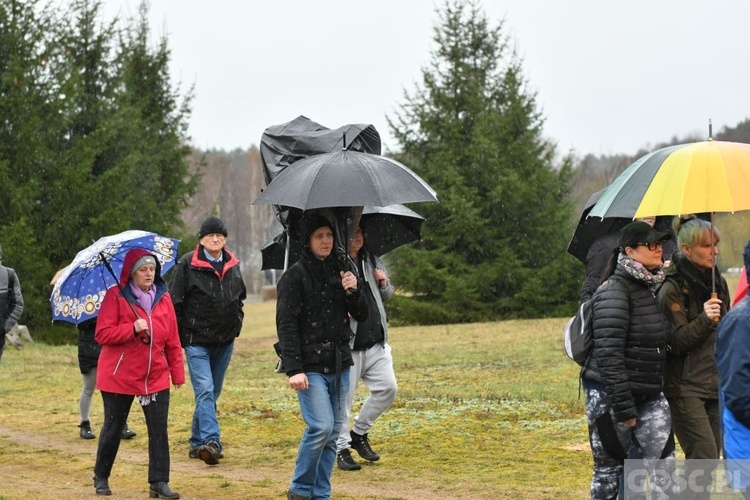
(130, 259)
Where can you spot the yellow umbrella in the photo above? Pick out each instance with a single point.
(708, 176)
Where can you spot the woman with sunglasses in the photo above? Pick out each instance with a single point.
(623, 377)
(685, 297)
(141, 352)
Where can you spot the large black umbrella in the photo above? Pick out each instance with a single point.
(386, 228)
(589, 230)
(345, 179)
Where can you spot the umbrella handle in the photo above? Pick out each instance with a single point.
(715, 295)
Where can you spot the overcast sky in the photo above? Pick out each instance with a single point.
(610, 77)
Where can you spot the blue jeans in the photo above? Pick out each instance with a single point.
(207, 366)
(323, 407)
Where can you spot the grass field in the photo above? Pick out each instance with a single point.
(487, 410)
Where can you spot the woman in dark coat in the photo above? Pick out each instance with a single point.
(623, 377)
(692, 384)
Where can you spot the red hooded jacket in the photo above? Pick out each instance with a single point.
(127, 365)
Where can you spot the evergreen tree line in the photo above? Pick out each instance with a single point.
(93, 142)
(92, 138)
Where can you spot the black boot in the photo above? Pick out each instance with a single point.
(361, 443)
(85, 427)
(101, 485)
(160, 489)
(127, 433)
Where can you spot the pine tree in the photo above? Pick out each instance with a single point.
(492, 245)
(92, 137)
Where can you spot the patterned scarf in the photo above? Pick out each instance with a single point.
(652, 277)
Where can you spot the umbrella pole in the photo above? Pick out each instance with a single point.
(714, 295)
(286, 252)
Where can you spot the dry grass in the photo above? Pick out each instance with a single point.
(484, 411)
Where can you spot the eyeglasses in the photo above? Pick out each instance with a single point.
(651, 246)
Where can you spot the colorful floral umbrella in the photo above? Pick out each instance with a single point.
(80, 287)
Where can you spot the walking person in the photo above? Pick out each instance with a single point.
(371, 354)
(692, 385)
(732, 353)
(315, 300)
(208, 290)
(623, 377)
(11, 300)
(141, 352)
(88, 358)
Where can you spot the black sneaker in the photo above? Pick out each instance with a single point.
(346, 461)
(86, 432)
(362, 445)
(209, 453)
(128, 434)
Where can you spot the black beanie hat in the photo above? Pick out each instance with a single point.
(311, 222)
(212, 225)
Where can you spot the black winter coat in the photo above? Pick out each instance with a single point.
(208, 304)
(312, 316)
(630, 339)
(88, 348)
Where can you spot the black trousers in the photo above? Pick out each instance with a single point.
(116, 409)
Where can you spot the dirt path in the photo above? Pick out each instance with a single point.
(29, 468)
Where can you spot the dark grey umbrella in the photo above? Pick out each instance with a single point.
(345, 179)
(386, 228)
(589, 229)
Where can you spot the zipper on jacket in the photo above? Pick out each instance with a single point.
(117, 366)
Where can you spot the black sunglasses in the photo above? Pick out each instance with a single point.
(651, 246)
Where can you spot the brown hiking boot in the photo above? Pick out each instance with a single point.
(209, 453)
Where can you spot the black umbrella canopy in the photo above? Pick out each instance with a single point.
(282, 145)
(346, 179)
(590, 229)
(385, 228)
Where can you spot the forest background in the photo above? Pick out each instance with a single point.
(93, 142)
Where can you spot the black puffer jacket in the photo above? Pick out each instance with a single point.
(312, 316)
(208, 304)
(630, 339)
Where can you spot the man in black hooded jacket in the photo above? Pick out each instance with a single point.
(315, 299)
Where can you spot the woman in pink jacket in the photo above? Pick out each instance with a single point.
(137, 330)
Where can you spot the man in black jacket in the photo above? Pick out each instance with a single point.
(208, 290)
(11, 300)
(315, 299)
